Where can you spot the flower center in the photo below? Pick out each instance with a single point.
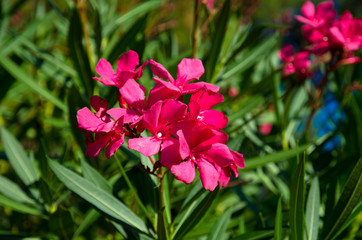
(159, 135)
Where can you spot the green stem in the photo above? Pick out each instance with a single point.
(123, 172)
(162, 228)
(194, 29)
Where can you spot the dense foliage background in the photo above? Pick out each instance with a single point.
(297, 181)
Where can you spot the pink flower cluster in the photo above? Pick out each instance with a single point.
(341, 37)
(183, 135)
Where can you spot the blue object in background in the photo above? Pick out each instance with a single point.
(326, 120)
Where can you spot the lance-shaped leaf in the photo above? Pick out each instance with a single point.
(350, 197)
(312, 211)
(278, 230)
(13, 191)
(22, 165)
(98, 197)
(297, 203)
(194, 213)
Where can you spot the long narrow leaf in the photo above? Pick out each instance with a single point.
(99, 198)
(350, 197)
(92, 175)
(274, 157)
(23, 77)
(297, 203)
(278, 231)
(13, 191)
(22, 165)
(312, 211)
(220, 226)
(19, 207)
(195, 212)
(255, 235)
(218, 38)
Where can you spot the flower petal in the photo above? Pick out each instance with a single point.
(115, 143)
(94, 148)
(148, 146)
(308, 9)
(184, 171)
(88, 121)
(104, 69)
(128, 61)
(160, 71)
(208, 174)
(189, 69)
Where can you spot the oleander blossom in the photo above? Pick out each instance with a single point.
(187, 137)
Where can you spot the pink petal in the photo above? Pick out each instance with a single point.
(94, 148)
(220, 154)
(159, 92)
(194, 87)
(304, 20)
(336, 33)
(172, 111)
(128, 114)
(184, 147)
(128, 61)
(88, 121)
(184, 171)
(104, 69)
(170, 153)
(148, 146)
(98, 103)
(286, 53)
(311, 34)
(160, 71)
(325, 10)
(115, 143)
(133, 93)
(265, 128)
(308, 9)
(150, 118)
(189, 69)
(169, 85)
(214, 118)
(207, 99)
(194, 109)
(208, 174)
(239, 159)
(224, 177)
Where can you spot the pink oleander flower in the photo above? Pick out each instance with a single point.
(298, 63)
(346, 32)
(200, 109)
(204, 147)
(187, 70)
(125, 70)
(106, 124)
(158, 120)
(265, 128)
(317, 20)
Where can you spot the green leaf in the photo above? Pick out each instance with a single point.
(99, 198)
(297, 203)
(112, 53)
(19, 207)
(278, 230)
(90, 217)
(253, 56)
(78, 54)
(312, 210)
(194, 214)
(246, 106)
(92, 175)
(350, 197)
(22, 165)
(135, 12)
(75, 102)
(252, 163)
(13, 191)
(25, 78)
(255, 235)
(357, 211)
(217, 40)
(220, 226)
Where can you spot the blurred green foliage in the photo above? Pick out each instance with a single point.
(48, 53)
